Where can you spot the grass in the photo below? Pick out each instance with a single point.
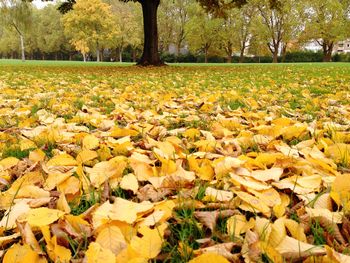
(15, 151)
(232, 102)
(317, 232)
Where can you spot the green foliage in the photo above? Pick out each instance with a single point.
(15, 151)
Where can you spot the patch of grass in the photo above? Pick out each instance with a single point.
(79, 103)
(294, 216)
(47, 149)
(317, 232)
(184, 231)
(15, 151)
(119, 192)
(201, 191)
(34, 109)
(78, 246)
(236, 104)
(84, 203)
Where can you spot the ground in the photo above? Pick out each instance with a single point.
(113, 162)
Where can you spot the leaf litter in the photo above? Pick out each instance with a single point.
(144, 167)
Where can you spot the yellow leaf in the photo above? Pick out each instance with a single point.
(294, 249)
(237, 225)
(225, 165)
(141, 165)
(41, 216)
(22, 254)
(111, 238)
(86, 155)
(8, 163)
(26, 144)
(335, 217)
(280, 209)
(70, 186)
(119, 132)
(248, 182)
(62, 160)
(295, 229)
(168, 166)
(340, 191)
(267, 175)
(192, 133)
(9, 219)
(150, 244)
(278, 232)
(218, 195)
(121, 209)
(254, 202)
(340, 153)
(90, 142)
(37, 155)
(209, 258)
(130, 255)
(104, 170)
(129, 182)
(55, 179)
(97, 254)
(62, 204)
(58, 253)
(32, 191)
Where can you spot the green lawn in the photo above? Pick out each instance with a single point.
(212, 147)
(15, 62)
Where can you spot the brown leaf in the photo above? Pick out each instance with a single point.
(28, 236)
(223, 249)
(209, 218)
(106, 192)
(148, 192)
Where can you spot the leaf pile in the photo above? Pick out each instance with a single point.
(238, 164)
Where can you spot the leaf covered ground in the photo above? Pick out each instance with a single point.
(202, 164)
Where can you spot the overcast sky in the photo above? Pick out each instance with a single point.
(40, 4)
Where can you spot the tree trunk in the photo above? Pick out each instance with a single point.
(275, 56)
(150, 54)
(327, 57)
(84, 57)
(22, 48)
(102, 54)
(134, 55)
(120, 54)
(241, 56)
(327, 52)
(284, 53)
(70, 56)
(229, 53)
(205, 56)
(98, 54)
(43, 56)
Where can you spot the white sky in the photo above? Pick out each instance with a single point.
(40, 4)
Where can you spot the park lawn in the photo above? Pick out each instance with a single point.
(249, 162)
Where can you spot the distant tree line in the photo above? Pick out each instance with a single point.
(255, 31)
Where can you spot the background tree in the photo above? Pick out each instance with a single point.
(236, 30)
(276, 24)
(327, 23)
(128, 23)
(173, 17)
(17, 16)
(166, 24)
(89, 25)
(50, 38)
(150, 55)
(202, 31)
